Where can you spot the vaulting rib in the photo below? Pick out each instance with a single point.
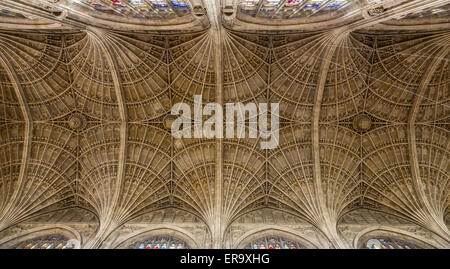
(218, 210)
(436, 222)
(5, 220)
(108, 224)
(329, 226)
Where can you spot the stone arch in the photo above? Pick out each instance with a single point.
(271, 230)
(44, 230)
(156, 230)
(385, 231)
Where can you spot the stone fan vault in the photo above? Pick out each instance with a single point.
(85, 143)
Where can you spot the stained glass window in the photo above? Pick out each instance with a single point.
(291, 8)
(179, 3)
(7, 13)
(139, 8)
(325, 4)
(440, 12)
(45, 243)
(163, 242)
(388, 243)
(274, 243)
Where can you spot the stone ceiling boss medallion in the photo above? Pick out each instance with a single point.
(362, 123)
(77, 122)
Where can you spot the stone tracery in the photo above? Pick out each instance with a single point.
(83, 123)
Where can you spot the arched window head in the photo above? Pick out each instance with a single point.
(160, 242)
(274, 243)
(49, 242)
(389, 243)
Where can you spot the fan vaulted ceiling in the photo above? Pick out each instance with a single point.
(86, 88)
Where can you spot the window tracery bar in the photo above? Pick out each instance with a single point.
(7, 13)
(291, 8)
(45, 243)
(163, 242)
(435, 12)
(138, 8)
(389, 243)
(274, 243)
